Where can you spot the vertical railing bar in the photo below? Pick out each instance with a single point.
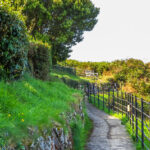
(122, 101)
(136, 115)
(94, 92)
(98, 96)
(108, 100)
(132, 114)
(103, 98)
(117, 102)
(142, 123)
(113, 99)
(130, 107)
(90, 93)
(126, 103)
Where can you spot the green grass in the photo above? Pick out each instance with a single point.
(33, 103)
(61, 74)
(81, 132)
(124, 120)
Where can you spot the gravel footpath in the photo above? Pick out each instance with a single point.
(108, 133)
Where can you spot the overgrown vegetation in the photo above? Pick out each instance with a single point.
(13, 45)
(58, 23)
(132, 75)
(33, 33)
(40, 61)
(30, 103)
(81, 132)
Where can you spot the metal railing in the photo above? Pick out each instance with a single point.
(135, 109)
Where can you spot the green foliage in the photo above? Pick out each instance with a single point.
(81, 132)
(15, 6)
(69, 79)
(39, 58)
(61, 23)
(121, 77)
(13, 45)
(133, 73)
(32, 103)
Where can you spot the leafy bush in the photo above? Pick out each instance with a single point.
(13, 44)
(39, 57)
(120, 77)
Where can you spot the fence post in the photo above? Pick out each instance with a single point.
(122, 101)
(98, 96)
(117, 101)
(87, 87)
(94, 92)
(130, 106)
(142, 123)
(108, 100)
(113, 99)
(136, 116)
(103, 98)
(126, 104)
(132, 113)
(90, 93)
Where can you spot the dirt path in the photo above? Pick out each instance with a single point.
(108, 133)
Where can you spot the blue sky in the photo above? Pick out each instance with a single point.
(122, 31)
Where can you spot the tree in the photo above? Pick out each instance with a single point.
(60, 22)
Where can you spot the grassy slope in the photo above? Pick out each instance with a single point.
(134, 74)
(34, 103)
(30, 102)
(66, 75)
(80, 132)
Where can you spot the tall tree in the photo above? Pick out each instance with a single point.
(60, 22)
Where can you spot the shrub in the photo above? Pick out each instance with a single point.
(121, 77)
(13, 44)
(39, 58)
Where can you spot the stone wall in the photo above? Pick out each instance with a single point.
(54, 138)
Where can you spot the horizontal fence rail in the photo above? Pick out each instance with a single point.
(135, 109)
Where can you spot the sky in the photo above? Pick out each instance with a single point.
(122, 32)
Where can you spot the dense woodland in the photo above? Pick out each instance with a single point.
(132, 74)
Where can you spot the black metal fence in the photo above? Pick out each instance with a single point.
(135, 109)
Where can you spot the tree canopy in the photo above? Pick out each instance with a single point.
(60, 22)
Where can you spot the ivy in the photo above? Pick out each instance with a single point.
(13, 45)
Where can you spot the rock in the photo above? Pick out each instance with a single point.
(55, 138)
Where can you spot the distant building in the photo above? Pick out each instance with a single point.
(89, 73)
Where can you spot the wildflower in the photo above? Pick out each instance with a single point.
(9, 115)
(22, 120)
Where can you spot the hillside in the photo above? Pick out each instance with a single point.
(30, 107)
(132, 75)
